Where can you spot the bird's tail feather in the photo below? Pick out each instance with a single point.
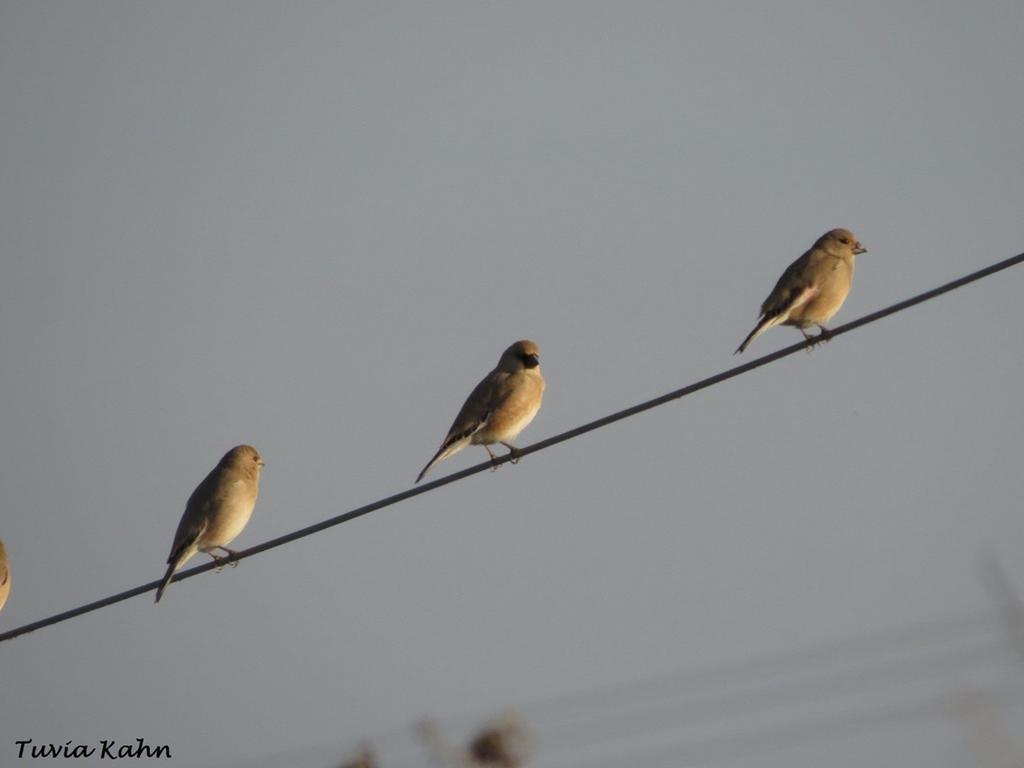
(763, 325)
(447, 449)
(165, 581)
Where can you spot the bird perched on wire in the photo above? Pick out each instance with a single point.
(217, 510)
(813, 288)
(500, 406)
(5, 576)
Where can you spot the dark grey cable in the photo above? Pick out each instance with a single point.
(539, 446)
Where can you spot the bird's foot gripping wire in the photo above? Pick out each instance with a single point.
(816, 339)
(494, 459)
(222, 561)
(513, 452)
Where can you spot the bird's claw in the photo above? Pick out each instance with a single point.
(494, 459)
(513, 453)
(512, 457)
(222, 561)
(814, 340)
(824, 335)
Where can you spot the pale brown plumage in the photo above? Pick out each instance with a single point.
(217, 510)
(5, 576)
(813, 288)
(500, 406)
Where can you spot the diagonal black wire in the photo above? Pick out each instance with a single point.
(539, 446)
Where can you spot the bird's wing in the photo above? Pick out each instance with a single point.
(197, 513)
(794, 289)
(479, 406)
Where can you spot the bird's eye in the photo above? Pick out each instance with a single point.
(844, 240)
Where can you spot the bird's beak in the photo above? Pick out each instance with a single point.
(532, 361)
(859, 249)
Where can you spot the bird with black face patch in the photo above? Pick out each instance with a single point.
(813, 288)
(500, 406)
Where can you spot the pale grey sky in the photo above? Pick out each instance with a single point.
(314, 227)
